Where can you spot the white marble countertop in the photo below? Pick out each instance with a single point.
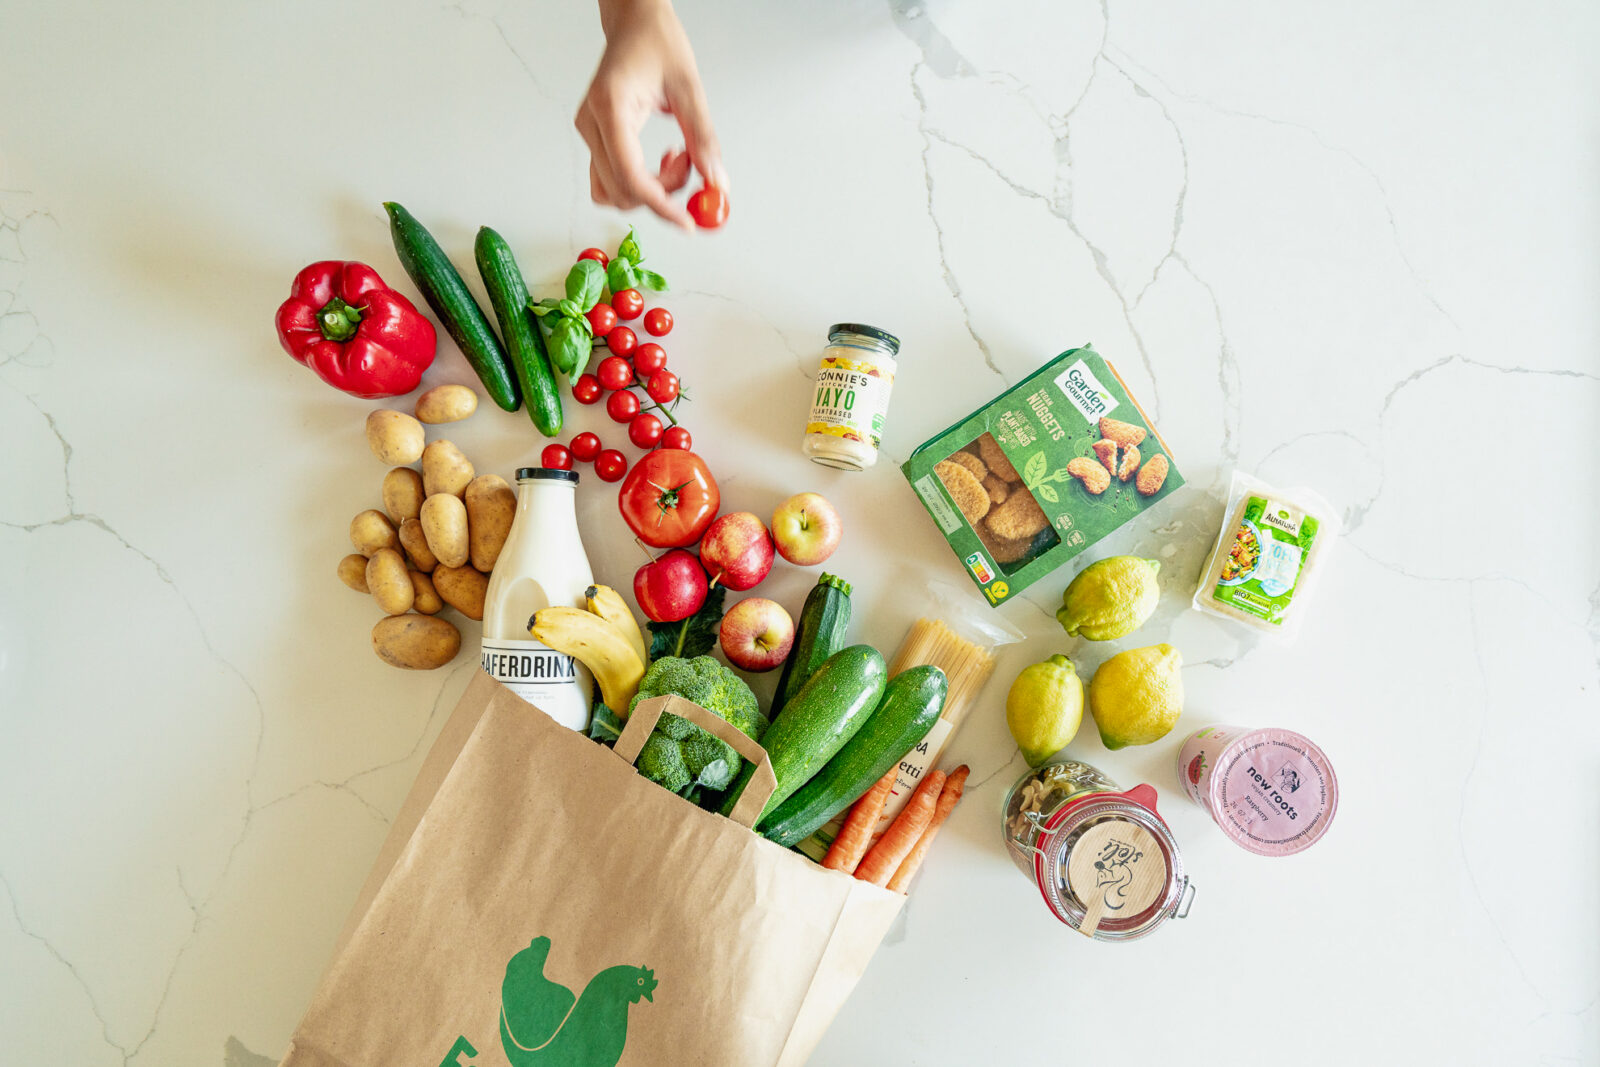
(1351, 247)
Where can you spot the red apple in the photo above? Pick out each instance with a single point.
(737, 550)
(670, 588)
(807, 529)
(757, 634)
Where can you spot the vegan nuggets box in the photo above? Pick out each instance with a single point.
(1042, 472)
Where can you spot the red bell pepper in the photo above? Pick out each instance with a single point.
(358, 334)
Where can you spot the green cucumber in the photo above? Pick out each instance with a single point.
(825, 714)
(450, 299)
(508, 294)
(911, 705)
(823, 622)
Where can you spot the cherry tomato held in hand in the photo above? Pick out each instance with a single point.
(676, 437)
(669, 498)
(627, 303)
(610, 465)
(649, 358)
(614, 373)
(658, 322)
(663, 387)
(586, 446)
(595, 254)
(709, 208)
(556, 457)
(622, 406)
(602, 319)
(622, 341)
(586, 390)
(645, 430)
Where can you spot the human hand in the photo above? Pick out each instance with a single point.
(648, 66)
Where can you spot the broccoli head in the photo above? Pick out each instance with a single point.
(679, 755)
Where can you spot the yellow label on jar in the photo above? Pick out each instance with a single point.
(851, 399)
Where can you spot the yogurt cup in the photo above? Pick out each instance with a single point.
(1271, 791)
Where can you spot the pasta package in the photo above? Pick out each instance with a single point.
(1268, 556)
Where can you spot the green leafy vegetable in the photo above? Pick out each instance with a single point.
(694, 636)
(604, 726)
(569, 345)
(625, 270)
(585, 282)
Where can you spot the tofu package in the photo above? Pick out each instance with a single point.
(1042, 472)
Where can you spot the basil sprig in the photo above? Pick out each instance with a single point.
(625, 272)
(568, 335)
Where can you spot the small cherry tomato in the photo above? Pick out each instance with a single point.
(622, 406)
(556, 457)
(658, 322)
(663, 387)
(649, 358)
(622, 341)
(611, 465)
(677, 437)
(586, 390)
(595, 254)
(602, 319)
(709, 208)
(586, 446)
(645, 430)
(628, 303)
(614, 373)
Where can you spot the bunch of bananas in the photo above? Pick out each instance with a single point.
(606, 639)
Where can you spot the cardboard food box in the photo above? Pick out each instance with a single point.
(1042, 472)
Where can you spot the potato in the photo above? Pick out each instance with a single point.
(445, 469)
(415, 642)
(353, 572)
(446, 403)
(402, 494)
(370, 531)
(387, 578)
(463, 588)
(424, 597)
(395, 437)
(444, 524)
(491, 505)
(415, 542)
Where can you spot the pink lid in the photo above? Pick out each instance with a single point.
(1273, 792)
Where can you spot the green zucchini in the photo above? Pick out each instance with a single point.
(911, 705)
(450, 299)
(825, 714)
(508, 294)
(823, 622)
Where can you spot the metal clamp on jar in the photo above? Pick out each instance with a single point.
(1103, 860)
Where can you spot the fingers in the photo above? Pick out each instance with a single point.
(675, 168)
(629, 183)
(687, 101)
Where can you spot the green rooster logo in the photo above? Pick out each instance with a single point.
(543, 1025)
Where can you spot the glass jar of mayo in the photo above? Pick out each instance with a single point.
(851, 398)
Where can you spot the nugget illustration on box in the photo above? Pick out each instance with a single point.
(1042, 472)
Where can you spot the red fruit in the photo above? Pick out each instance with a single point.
(658, 322)
(556, 457)
(628, 304)
(677, 437)
(1196, 767)
(596, 254)
(663, 387)
(645, 431)
(614, 373)
(737, 550)
(670, 588)
(622, 406)
(611, 465)
(622, 341)
(709, 208)
(602, 319)
(649, 358)
(586, 446)
(586, 390)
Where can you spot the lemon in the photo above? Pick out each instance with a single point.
(1110, 598)
(1045, 708)
(1137, 695)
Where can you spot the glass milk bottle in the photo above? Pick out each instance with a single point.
(542, 564)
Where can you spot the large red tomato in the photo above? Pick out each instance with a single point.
(669, 498)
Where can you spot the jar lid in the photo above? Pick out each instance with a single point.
(547, 473)
(1273, 792)
(865, 331)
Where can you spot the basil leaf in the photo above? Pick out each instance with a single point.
(629, 249)
(568, 344)
(694, 636)
(652, 281)
(540, 310)
(585, 281)
(620, 275)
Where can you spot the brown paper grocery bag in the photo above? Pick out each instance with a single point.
(539, 903)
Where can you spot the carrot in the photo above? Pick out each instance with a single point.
(901, 836)
(856, 833)
(947, 803)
